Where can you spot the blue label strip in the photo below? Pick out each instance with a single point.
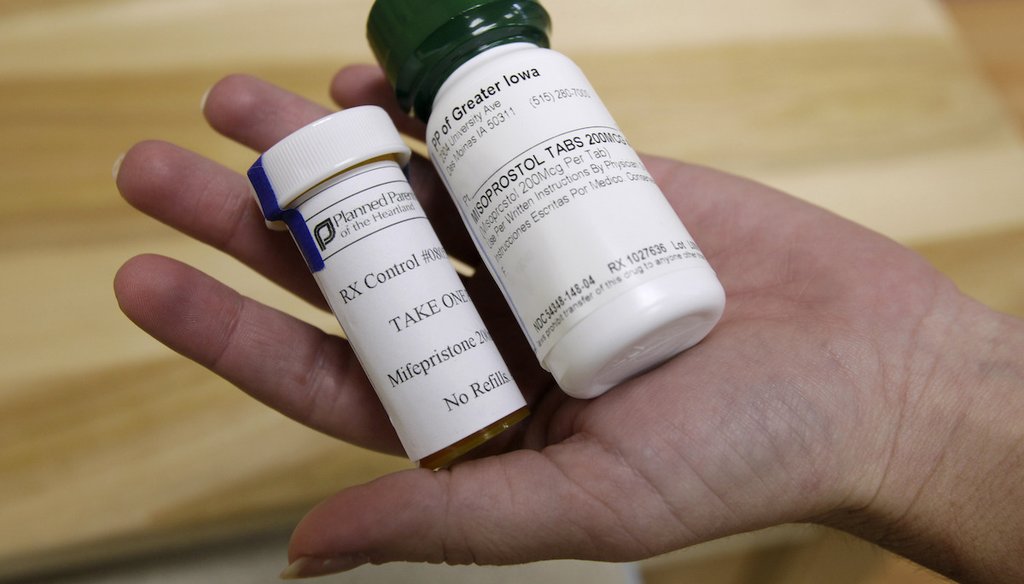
(292, 217)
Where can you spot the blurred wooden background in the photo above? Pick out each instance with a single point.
(904, 115)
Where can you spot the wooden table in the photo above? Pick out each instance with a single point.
(111, 445)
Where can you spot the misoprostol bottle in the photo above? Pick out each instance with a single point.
(600, 272)
(338, 187)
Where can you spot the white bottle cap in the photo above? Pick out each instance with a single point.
(321, 150)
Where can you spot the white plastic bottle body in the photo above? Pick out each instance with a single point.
(404, 309)
(600, 272)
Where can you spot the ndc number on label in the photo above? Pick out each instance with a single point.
(554, 308)
(550, 311)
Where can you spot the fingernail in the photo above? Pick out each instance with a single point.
(313, 567)
(117, 166)
(202, 100)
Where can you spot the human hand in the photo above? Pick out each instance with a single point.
(820, 396)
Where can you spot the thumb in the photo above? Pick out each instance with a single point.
(568, 501)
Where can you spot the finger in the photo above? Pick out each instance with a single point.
(289, 365)
(214, 205)
(366, 85)
(571, 500)
(256, 113)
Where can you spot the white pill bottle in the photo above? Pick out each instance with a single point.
(338, 187)
(600, 272)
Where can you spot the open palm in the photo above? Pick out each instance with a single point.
(788, 411)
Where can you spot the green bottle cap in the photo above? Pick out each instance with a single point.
(421, 43)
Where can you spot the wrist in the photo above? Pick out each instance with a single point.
(951, 494)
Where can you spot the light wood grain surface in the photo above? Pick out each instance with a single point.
(110, 444)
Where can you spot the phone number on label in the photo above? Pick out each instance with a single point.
(557, 95)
